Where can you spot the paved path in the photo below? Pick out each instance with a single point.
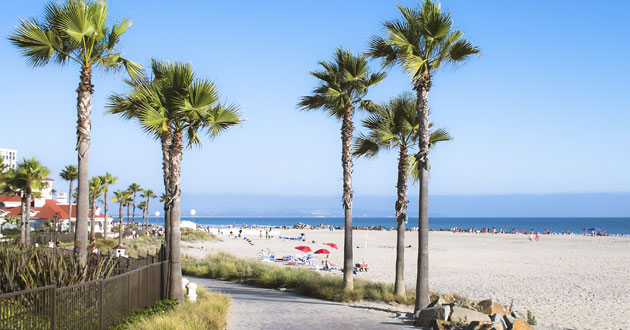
(256, 308)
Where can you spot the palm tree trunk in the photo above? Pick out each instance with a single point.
(105, 221)
(422, 110)
(347, 128)
(401, 217)
(70, 226)
(166, 159)
(175, 290)
(23, 223)
(147, 210)
(92, 220)
(84, 108)
(27, 218)
(133, 214)
(120, 224)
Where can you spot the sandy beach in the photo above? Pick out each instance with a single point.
(571, 282)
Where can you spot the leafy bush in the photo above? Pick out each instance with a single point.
(307, 282)
(23, 268)
(531, 319)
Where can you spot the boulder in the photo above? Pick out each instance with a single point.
(509, 320)
(446, 299)
(440, 325)
(498, 319)
(491, 307)
(460, 315)
(521, 324)
(424, 317)
(476, 325)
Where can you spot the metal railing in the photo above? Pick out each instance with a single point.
(90, 305)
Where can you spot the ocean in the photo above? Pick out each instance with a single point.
(613, 226)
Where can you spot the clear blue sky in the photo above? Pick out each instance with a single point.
(545, 109)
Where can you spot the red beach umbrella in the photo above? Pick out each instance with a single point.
(332, 245)
(303, 248)
(322, 251)
(523, 230)
(568, 231)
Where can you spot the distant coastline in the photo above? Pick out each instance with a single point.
(611, 225)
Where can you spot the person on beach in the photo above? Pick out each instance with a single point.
(267, 233)
(261, 234)
(537, 237)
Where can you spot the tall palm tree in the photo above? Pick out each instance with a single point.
(421, 42)
(175, 107)
(96, 190)
(28, 178)
(107, 179)
(394, 125)
(343, 83)
(134, 188)
(148, 194)
(76, 31)
(122, 198)
(70, 173)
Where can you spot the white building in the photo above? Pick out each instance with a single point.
(9, 157)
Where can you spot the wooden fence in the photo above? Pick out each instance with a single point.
(91, 305)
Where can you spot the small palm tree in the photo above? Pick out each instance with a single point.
(343, 83)
(148, 194)
(134, 188)
(107, 180)
(96, 190)
(76, 31)
(70, 173)
(122, 198)
(394, 125)
(175, 107)
(422, 42)
(142, 206)
(28, 178)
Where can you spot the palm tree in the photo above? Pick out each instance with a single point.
(395, 125)
(148, 194)
(123, 198)
(107, 180)
(421, 42)
(70, 173)
(76, 31)
(96, 190)
(134, 188)
(343, 84)
(143, 206)
(28, 178)
(175, 108)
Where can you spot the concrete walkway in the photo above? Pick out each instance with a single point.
(256, 308)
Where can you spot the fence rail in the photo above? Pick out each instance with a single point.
(90, 305)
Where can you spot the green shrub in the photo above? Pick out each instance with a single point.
(160, 306)
(224, 266)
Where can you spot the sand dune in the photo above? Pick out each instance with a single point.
(567, 281)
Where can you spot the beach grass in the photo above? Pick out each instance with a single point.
(210, 311)
(307, 282)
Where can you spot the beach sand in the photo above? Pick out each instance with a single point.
(567, 281)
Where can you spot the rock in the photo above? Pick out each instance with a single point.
(425, 316)
(509, 320)
(476, 325)
(498, 319)
(442, 300)
(460, 315)
(521, 324)
(518, 315)
(440, 325)
(491, 307)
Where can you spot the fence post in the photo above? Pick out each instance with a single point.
(129, 292)
(53, 307)
(101, 308)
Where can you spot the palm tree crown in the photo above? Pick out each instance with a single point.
(421, 41)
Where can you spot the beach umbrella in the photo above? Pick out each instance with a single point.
(322, 251)
(332, 245)
(568, 231)
(303, 248)
(523, 230)
(594, 229)
(514, 229)
(546, 230)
